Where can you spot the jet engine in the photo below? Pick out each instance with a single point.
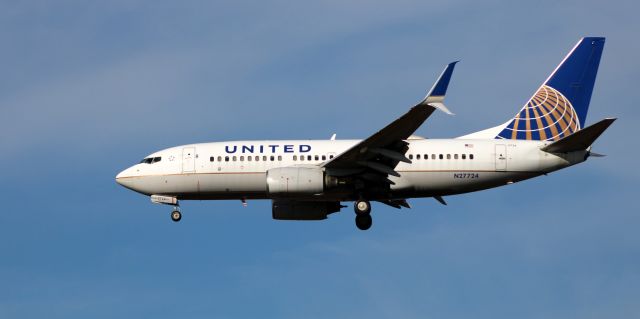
(298, 180)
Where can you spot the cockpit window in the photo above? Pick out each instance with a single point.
(150, 160)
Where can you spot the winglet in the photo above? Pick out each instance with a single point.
(435, 97)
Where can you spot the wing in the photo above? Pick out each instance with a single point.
(376, 157)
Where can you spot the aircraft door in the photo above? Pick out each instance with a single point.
(501, 157)
(188, 159)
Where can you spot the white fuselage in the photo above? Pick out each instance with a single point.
(237, 170)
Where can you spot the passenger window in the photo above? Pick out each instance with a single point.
(455, 156)
(330, 156)
(226, 158)
(257, 158)
(464, 156)
(433, 156)
(301, 157)
(264, 158)
(249, 158)
(308, 157)
(410, 156)
(316, 158)
(235, 158)
(441, 156)
(470, 156)
(279, 157)
(426, 156)
(324, 157)
(241, 158)
(295, 157)
(219, 158)
(418, 156)
(272, 158)
(211, 159)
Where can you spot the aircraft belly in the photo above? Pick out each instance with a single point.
(430, 183)
(233, 182)
(225, 185)
(176, 184)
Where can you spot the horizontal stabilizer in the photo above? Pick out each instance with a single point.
(580, 140)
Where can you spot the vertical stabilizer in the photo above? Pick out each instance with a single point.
(559, 107)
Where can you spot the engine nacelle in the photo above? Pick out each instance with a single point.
(295, 180)
(297, 210)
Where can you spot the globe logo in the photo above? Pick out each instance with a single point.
(547, 116)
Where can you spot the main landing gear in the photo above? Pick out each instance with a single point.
(363, 214)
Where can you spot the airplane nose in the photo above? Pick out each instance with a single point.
(129, 178)
(119, 178)
(123, 177)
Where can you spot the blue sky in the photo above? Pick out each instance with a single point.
(87, 89)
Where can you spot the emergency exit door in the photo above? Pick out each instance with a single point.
(188, 159)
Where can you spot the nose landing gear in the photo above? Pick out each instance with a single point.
(363, 214)
(176, 216)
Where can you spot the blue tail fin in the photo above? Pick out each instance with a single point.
(559, 107)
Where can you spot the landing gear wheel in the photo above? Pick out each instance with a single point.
(362, 207)
(176, 216)
(364, 221)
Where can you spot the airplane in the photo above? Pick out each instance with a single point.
(309, 179)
